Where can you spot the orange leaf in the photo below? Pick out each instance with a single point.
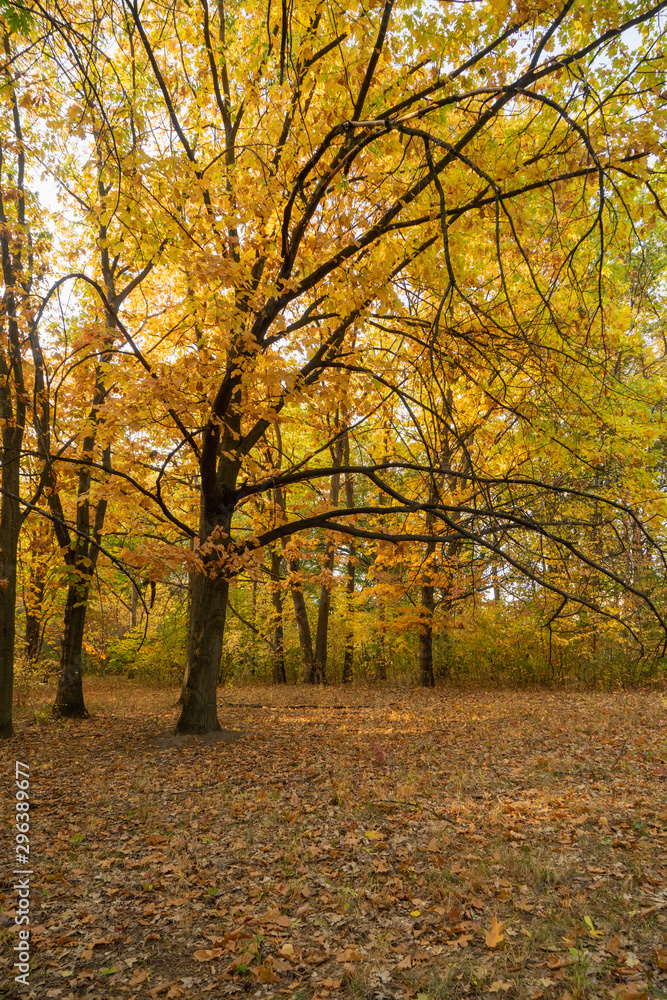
(495, 935)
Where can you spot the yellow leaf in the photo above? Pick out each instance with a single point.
(495, 935)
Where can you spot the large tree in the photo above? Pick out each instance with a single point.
(372, 193)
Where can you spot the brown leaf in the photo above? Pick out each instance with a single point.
(554, 962)
(263, 974)
(630, 991)
(661, 958)
(330, 983)
(138, 976)
(405, 963)
(494, 936)
(208, 954)
(613, 946)
(501, 984)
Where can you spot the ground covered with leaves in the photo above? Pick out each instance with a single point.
(346, 844)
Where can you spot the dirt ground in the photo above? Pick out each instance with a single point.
(361, 843)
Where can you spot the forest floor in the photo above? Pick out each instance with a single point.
(361, 844)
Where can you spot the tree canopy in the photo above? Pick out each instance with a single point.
(377, 283)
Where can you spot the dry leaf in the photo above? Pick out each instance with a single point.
(208, 954)
(494, 936)
(263, 974)
(405, 963)
(330, 984)
(661, 958)
(138, 976)
(433, 846)
(630, 991)
(613, 946)
(501, 984)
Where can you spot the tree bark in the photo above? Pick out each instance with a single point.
(10, 526)
(426, 672)
(278, 639)
(13, 394)
(69, 696)
(348, 656)
(319, 674)
(302, 623)
(207, 629)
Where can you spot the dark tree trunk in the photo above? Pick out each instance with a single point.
(34, 605)
(13, 391)
(426, 673)
(319, 674)
(33, 636)
(207, 628)
(10, 525)
(278, 639)
(302, 623)
(69, 696)
(348, 657)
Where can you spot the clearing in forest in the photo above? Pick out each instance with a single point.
(347, 843)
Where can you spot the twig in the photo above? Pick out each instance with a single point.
(621, 751)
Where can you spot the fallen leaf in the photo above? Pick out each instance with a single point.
(630, 991)
(501, 984)
(138, 976)
(494, 936)
(554, 962)
(405, 963)
(263, 974)
(330, 984)
(208, 954)
(613, 946)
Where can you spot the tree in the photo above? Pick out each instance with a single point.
(359, 193)
(23, 248)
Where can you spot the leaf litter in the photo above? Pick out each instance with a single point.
(408, 844)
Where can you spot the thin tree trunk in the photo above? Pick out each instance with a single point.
(302, 623)
(426, 672)
(319, 674)
(348, 657)
(10, 525)
(133, 605)
(13, 394)
(34, 609)
(278, 639)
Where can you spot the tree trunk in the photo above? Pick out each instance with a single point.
(34, 611)
(302, 623)
(278, 639)
(69, 696)
(426, 673)
(207, 628)
(10, 525)
(133, 605)
(348, 657)
(319, 674)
